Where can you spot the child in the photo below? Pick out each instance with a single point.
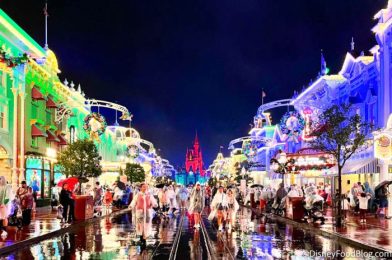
(345, 205)
(363, 199)
(108, 199)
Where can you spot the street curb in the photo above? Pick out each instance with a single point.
(329, 234)
(37, 239)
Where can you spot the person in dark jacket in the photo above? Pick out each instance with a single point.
(68, 203)
(281, 193)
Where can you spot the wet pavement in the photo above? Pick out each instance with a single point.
(268, 239)
(43, 222)
(112, 238)
(109, 238)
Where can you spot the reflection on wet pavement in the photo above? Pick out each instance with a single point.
(272, 240)
(110, 238)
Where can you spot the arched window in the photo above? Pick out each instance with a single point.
(72, 134)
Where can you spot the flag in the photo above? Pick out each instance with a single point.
(324, 69)
(263, 95)
(46, 10)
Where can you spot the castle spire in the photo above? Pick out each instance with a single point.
(196, 138)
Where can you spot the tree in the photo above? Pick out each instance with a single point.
(134, 172)
(81, 159)
(340, 132)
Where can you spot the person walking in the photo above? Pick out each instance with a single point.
(68, 204)
(382, 195)
(183, 195)
(369, 191)
(196, 204)
(219, 205)
(363, 200)
(233, 207)
(5, 198)
(23, 195)
(98, 194)
(143, 202)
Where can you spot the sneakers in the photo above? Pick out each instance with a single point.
(363, 220)
(220, 228)
(4, 234)
(197, 226)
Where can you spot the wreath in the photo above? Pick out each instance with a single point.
(99, 129)
(133, 151)
(250, 149)
(292, 122)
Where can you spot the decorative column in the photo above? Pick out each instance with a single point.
(21, 176)
(14, 175)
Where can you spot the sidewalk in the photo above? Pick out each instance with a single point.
(43, 225)
(375, 234)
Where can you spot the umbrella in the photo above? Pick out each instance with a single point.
(231, 186)
(70, 181)
(256, 185)
(381, 184)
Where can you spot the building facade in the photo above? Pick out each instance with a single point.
(40, 115)
(363, 81)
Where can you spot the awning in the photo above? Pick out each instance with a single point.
(51, 137)
(37, 132)
(50, 103)
(62, 140)
(36, 94)
(368, 165)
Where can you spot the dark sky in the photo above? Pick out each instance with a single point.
(183, 65)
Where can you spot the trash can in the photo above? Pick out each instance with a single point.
(294, 208)
(84, 207)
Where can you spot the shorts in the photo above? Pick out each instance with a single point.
(383, 203)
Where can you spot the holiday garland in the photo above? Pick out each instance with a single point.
(12, 61)
(99, 118)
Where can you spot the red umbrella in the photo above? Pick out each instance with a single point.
(70, 181)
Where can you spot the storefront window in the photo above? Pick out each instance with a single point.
(33, 179)
(38, 176)
(58, 175)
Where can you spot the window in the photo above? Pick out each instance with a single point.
(34, 142)
(48, 117)
(34, 109)
(2, 120)
(3, 117)
(72, 134)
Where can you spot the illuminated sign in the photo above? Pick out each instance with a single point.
(383, 147)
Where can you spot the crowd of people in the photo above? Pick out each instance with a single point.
(165, 201)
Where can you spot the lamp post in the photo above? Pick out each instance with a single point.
(280, 164)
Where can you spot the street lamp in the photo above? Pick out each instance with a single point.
(280, 164)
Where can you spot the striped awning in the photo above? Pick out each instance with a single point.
(368, 165)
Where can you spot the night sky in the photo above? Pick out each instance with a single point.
(182, 66)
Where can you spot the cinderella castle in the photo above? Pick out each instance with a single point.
(194, 166)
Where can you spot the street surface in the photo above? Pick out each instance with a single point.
(112, 238)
